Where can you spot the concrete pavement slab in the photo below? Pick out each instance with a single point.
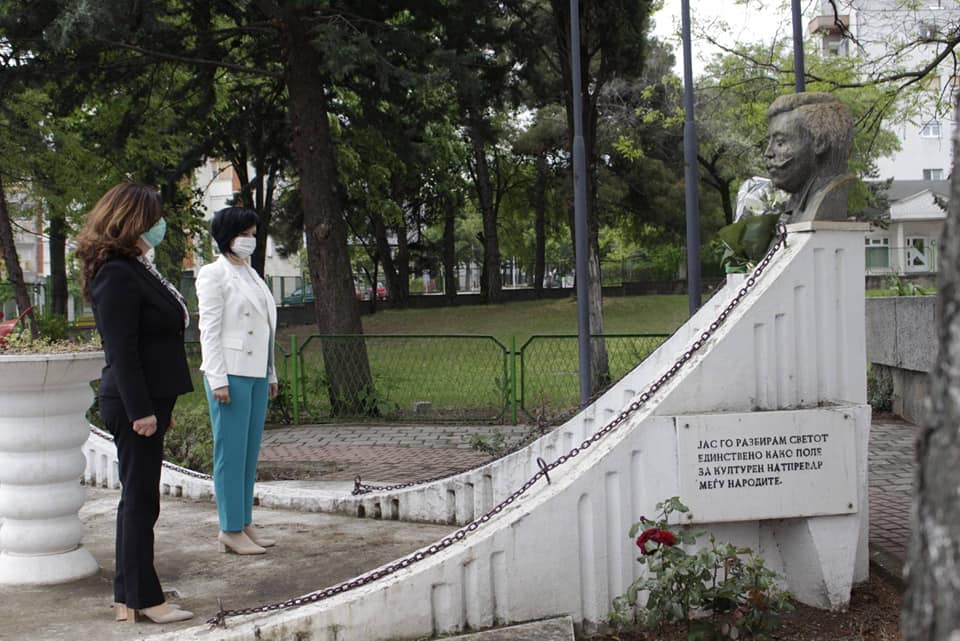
(313, 551)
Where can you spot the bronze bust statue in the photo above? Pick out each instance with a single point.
(810, 135)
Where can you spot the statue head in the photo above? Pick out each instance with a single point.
(810, 135)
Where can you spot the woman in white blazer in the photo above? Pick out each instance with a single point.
(238, 320)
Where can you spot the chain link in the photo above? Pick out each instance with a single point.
(107, 436)
(780, 241)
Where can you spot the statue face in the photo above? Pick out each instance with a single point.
(791, 157)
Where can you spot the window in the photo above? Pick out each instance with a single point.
(877, 253)
(933, 174)
(931, 129)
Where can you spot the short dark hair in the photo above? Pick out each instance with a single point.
(229, 223)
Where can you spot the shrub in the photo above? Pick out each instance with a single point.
(717, 592)
(880, 388)
(190, 442)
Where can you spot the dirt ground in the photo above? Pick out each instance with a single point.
(874, 615)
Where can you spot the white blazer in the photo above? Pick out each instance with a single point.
(236, 329)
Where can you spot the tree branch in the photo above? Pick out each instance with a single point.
(203, 62)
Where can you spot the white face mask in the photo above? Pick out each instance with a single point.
(243, 246)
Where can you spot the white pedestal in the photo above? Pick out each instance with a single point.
(43, 399)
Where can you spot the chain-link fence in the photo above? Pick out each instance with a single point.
(435, 378)
(549, 374)
(399, 377)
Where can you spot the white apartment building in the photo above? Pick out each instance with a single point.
(218, 182)
(893, 35)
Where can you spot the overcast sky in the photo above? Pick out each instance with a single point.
(750, 21)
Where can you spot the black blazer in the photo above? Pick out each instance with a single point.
(141, 324)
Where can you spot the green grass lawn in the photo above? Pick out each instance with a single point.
(621, 315)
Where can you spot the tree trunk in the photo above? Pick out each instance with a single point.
(599, 363)
(10, 258)
(346, 364)
(492, 282)
(169, 254)
(58, 265)
(395, 290)
(449, 248)
(540, 225)
(931, 607)
(403, 261)
(721, 183)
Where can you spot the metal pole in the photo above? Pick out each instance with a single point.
(580, 208)
(513, 377)
(799, 82)
(690, 167)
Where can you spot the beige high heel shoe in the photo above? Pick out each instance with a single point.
(238, 543)
(163, 613)
(260, 540)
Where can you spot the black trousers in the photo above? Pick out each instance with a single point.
(141, 457)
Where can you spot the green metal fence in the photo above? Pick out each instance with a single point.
(415, 377)
(549, 378)
(444, 377)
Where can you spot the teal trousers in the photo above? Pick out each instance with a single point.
(237, 432)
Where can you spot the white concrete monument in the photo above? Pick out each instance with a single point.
(774, 401)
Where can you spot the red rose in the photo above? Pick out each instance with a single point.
(663, 537)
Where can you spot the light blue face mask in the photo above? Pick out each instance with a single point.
(154, 235)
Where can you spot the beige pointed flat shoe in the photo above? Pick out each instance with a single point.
(259, 539)
(238, 543)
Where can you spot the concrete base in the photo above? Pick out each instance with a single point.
(48, 569)
(559, 629)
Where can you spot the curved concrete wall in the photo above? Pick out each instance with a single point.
(795, 345)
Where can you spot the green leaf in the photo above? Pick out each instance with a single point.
(757, 234)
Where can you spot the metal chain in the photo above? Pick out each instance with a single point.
(360, 488)
(780, 241)
(170, 466)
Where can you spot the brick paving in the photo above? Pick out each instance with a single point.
(380, 453)
(400, 453)
(892, 466)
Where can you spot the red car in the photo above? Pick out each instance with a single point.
(364, 294)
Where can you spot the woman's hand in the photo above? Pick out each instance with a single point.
(145, 426)
(273, 390)
(222, 394)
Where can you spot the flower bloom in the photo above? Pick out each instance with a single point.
(663, 537)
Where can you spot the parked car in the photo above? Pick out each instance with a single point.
(299, 296)
(364, 293)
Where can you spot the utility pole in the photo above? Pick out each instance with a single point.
(580, 209)
(799, 81)
(690, 167)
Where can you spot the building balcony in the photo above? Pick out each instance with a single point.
(827, 24)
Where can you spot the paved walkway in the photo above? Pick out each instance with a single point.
(892, 466)
(394, 453)
(400, 453)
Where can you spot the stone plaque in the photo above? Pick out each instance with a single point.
(767, 465)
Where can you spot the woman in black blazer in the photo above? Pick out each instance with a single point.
(141, 318)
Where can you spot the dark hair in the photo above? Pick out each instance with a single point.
(229, 223)
(113, 226)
